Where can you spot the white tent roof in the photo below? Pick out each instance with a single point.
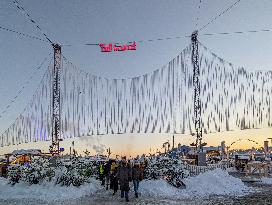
(28, 151)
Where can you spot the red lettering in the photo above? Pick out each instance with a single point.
(109, 48)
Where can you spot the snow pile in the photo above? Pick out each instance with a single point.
(160, 188)
(46, 191)
(216, 182)
(266, 180)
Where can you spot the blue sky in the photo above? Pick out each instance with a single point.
(88, 21)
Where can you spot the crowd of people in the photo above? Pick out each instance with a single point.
(118, 175)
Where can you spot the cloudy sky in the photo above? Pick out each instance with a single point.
(77, 22)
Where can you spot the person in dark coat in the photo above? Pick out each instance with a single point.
(124, 176)
(113, 178)
(137, 176)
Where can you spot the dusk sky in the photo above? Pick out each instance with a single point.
(78, 22)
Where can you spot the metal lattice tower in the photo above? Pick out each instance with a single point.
(197, 103)
(56, 100)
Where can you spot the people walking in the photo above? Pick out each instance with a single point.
(137, 176)
(124, 175)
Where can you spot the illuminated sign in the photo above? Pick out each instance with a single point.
(117, 47)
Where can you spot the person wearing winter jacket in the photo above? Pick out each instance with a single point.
(124, 176)
(107, 167)
(101, 173)
(113, 178)
(137, 176)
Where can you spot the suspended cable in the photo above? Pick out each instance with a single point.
(178, 37)
(236, 32)
(22, 34)
(24, 12)
(20, 91)
(137, 41)
(220, 14)
(150, 40)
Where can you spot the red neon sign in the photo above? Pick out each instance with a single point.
(117, 47)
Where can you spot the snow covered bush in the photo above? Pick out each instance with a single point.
(63, 171)
(75, 171)
(14, 174)
(172, 170)
(39, 170)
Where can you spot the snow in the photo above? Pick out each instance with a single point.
(160, 188)
(216, 182)
(231, 169)
(46, 191)
(266, 180)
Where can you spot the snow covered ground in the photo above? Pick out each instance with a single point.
(266, 180)
(46, 191)
(216, 182)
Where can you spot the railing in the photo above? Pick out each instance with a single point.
(196, 170)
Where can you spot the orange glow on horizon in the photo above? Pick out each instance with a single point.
(137, 144)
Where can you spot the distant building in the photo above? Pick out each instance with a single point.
(211, 148)
(183, 149)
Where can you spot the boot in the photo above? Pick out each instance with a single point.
(136, 195)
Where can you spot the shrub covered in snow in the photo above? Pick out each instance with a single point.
(62, 171)
(14, 173)
(39, 170)
(77, 170)
(172, 170)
